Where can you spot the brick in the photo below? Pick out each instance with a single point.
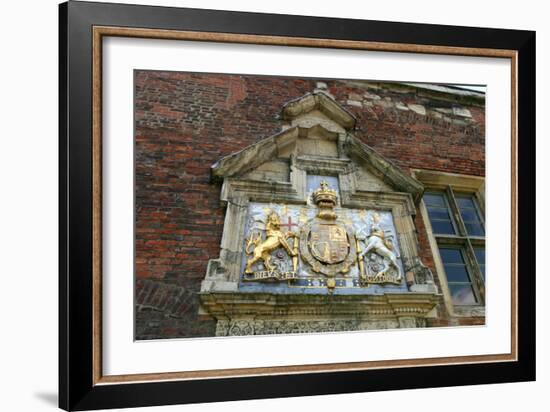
(185, 122)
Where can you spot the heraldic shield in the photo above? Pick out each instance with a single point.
(329, 243)
(325, 243)
(328, 247)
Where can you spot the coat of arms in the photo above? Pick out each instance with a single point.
(329, 243)
(330, 246)
(326, 244)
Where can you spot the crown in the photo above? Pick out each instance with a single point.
(324, 194)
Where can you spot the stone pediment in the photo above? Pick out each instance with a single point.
(317, 132)
(314, 215)
(296, 111)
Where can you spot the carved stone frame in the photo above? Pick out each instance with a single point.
(223, 273)
(253, 312)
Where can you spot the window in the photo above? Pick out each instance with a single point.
(438, 210)
(459, 229)
(458, 276)
(470, 215)
(480, 257)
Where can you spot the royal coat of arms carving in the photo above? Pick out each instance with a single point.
(318, 234)
(331, 247)
(327, 244)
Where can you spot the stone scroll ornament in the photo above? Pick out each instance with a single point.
(378, 258)
(262, 250)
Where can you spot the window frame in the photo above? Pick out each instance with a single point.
(477, 209)
(468, 270)
(451, 185)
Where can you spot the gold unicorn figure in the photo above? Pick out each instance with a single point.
(274, 239)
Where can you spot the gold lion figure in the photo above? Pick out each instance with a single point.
(274, 239)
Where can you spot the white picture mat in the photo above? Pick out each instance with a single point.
(121, 355)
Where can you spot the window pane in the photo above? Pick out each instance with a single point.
(480, 256)
(462, 294)
(451, 255)
(456, 273)
(469, 215)
(482, 269)
(438, 211)
(465, 202)
(434, 199)
(439, 214)
(474, 229)
(443, 227)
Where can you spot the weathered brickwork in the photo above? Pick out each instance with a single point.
(185, 122)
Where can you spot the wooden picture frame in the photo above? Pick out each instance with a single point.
(82, 385)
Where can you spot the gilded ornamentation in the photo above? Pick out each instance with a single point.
(262, 250)
(330, 247)
(327, 244)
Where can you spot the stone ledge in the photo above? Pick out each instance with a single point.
(237, 304)
(240, 314)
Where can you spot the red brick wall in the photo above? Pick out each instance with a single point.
(186, 121)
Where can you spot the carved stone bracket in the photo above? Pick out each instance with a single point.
(421, 278)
